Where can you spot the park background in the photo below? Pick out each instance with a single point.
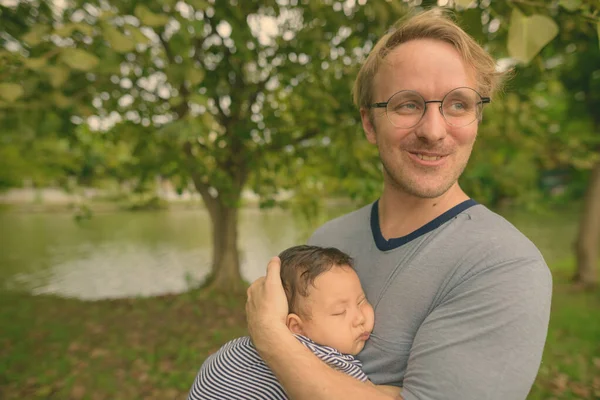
(155, 154)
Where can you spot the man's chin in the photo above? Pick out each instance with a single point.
(427, 190)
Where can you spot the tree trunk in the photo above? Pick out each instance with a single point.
(225, 272)
(588, 241)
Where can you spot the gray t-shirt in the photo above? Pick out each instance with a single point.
(461, 305)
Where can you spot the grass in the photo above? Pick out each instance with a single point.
(571, 363)
(55, 348)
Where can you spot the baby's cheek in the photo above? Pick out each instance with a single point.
(371, 317)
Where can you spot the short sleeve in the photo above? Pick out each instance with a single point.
(485, 339)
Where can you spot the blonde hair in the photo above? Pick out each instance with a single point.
(432, 24)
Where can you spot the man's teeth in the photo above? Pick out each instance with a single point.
(428, 158)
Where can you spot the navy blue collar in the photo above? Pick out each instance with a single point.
(384, 245)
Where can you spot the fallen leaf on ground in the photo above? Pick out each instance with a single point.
(559, 383)
(78, 392)
(98, 353)
(580, 390)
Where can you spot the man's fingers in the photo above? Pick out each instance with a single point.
(259, 281)
(274, 270)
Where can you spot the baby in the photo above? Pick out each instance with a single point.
(328, 313)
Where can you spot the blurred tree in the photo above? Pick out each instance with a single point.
(554, 105)
(225, 93)
(255, 94)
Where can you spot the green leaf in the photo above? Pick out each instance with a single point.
(199, 4)
(527, 36)
(470, 21)
(117, 40)
(598, 29)
(58, 75)
(571, 5)
(84, 111)
(79, 59)
(34, 63)
(149, 18)
(463, 3)
(176, 74)
(199, 99)
(175, 101)
(137, 35)
(67, 29)
(105, 15)
(35, 35)
(195, 75)
(208, 120)
(60, 100)
(10, 91)
(64, 30)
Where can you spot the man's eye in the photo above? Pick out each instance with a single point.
(407, 106)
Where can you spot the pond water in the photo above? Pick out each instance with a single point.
(123, 254)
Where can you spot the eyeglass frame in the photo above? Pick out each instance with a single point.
(484, 100)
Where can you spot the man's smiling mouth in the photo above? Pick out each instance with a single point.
(428, 158)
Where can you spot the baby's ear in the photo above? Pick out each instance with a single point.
(294, 324)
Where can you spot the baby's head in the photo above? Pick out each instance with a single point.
(325, 299)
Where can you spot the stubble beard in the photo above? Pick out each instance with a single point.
(411, 186)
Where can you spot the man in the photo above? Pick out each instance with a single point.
(461, 298)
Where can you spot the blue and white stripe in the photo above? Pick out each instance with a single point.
(236, 371)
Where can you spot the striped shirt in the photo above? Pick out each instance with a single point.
(236, 371)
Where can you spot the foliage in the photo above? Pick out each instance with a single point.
(198, 79)
(232, 95)
(541, 133)
(183, 90)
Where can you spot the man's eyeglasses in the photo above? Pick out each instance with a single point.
(460, 107)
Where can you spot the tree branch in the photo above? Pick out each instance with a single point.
(201, 186)
(223, 118)
(307, 135)
(166, 47)
(183, 108)
(198, 50)
(260, 87)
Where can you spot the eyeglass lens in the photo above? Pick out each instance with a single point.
(460, 107)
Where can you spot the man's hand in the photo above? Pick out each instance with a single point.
(391, 390)
(266, 306)
(293, 363)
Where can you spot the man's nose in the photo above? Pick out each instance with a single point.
(432, 126)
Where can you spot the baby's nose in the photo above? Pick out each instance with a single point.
(360, 318)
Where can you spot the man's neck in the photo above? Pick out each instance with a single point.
(401, 213)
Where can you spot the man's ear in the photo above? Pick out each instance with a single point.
(365, 116)
(294, 324)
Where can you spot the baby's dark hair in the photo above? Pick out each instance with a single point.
(301, 265)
